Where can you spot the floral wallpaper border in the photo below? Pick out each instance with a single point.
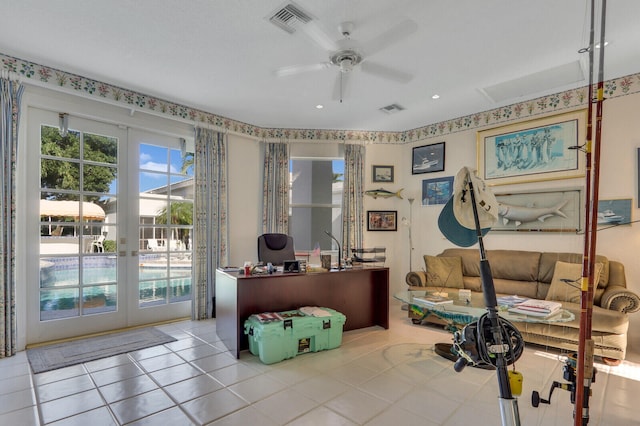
(569, 99)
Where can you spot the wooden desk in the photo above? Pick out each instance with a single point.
(362, 295)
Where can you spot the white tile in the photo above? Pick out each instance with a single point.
(257, 388)
(214, 362)
(428, 404)
(104, 363)
(196, 352)
(245, 416)
(357, 406)
(397, 416)
(193, 388)
(98, 417)
(150, 352)
(15, 383)
(321, 388)
(284, 406)
(23, 416)
(174, 374)
(71, 405)
(17, 400)
(321, 416)
(389, 386)
(116, 374)
(64, 387)
(59, 374)
(160, 362)
(233, 374)
(127, 388)
(140, 406)
(213, 406)
(171, 416)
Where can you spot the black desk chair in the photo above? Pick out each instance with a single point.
(275, 248)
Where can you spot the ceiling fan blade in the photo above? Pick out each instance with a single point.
(385, 72)
(315, 32)
(301, 69)
(392, 36)
(341, 86)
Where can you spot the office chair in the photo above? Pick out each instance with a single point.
(275, 248)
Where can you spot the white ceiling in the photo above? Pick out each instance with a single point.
(221, 56)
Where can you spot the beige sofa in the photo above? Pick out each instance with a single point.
(530, 274)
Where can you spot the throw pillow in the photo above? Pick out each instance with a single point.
(443, 271)
(569, 290)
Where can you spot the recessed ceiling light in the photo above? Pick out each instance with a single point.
(435, 97)
(319, 106)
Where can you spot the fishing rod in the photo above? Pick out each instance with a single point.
(584, 362)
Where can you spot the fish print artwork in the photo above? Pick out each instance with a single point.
(520, 214)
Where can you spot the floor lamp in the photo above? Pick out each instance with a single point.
(408, 224)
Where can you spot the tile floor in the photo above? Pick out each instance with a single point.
(377, 377)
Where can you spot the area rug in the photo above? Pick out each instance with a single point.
(51, 357)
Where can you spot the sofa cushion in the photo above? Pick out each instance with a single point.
(568, 291)
(548, 262)
(444, 271)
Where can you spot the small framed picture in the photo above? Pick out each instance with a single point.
(382, 220)
(428, 158)
(437, 191)
(383, 174)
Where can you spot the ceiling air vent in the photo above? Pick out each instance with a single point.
(288, 15)
(392, 109)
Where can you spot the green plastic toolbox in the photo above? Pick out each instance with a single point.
(283, 335)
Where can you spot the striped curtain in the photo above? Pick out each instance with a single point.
(275, 202)
(10, 95)
(210, 227)
(352, 199)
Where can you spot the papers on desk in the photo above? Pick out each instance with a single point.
(537, 308)
(432, 300)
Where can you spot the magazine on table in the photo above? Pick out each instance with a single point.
(537, 308)
(511, 300)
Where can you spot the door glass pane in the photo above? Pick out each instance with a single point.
(78, 223)
(166, 225)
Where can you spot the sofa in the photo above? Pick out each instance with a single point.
(540, 275)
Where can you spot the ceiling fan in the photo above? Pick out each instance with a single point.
(347, 54)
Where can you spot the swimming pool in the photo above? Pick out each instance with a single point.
(62, 295)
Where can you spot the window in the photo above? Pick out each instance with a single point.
(315, 202)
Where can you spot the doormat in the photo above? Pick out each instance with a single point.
(51, 357)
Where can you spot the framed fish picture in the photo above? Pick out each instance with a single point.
(544, 149)
(382, 220)
(558, 210)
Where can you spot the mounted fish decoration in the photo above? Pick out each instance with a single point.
(383, 193)
(521, 214)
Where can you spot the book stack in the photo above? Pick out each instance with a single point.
(537, 308)
(432, 300)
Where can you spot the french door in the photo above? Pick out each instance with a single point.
(95, 193)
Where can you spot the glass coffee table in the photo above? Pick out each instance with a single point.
(460, 313)
(456, 315)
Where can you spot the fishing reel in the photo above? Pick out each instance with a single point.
(569, 374)
(474, 344)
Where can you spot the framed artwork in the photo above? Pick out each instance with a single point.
(383, 174)
(437, 191)
(614, 212)
(382, 220)
(543, 149)
(428, 158)
(557, 210)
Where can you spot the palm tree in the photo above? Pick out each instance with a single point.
(180, 213)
